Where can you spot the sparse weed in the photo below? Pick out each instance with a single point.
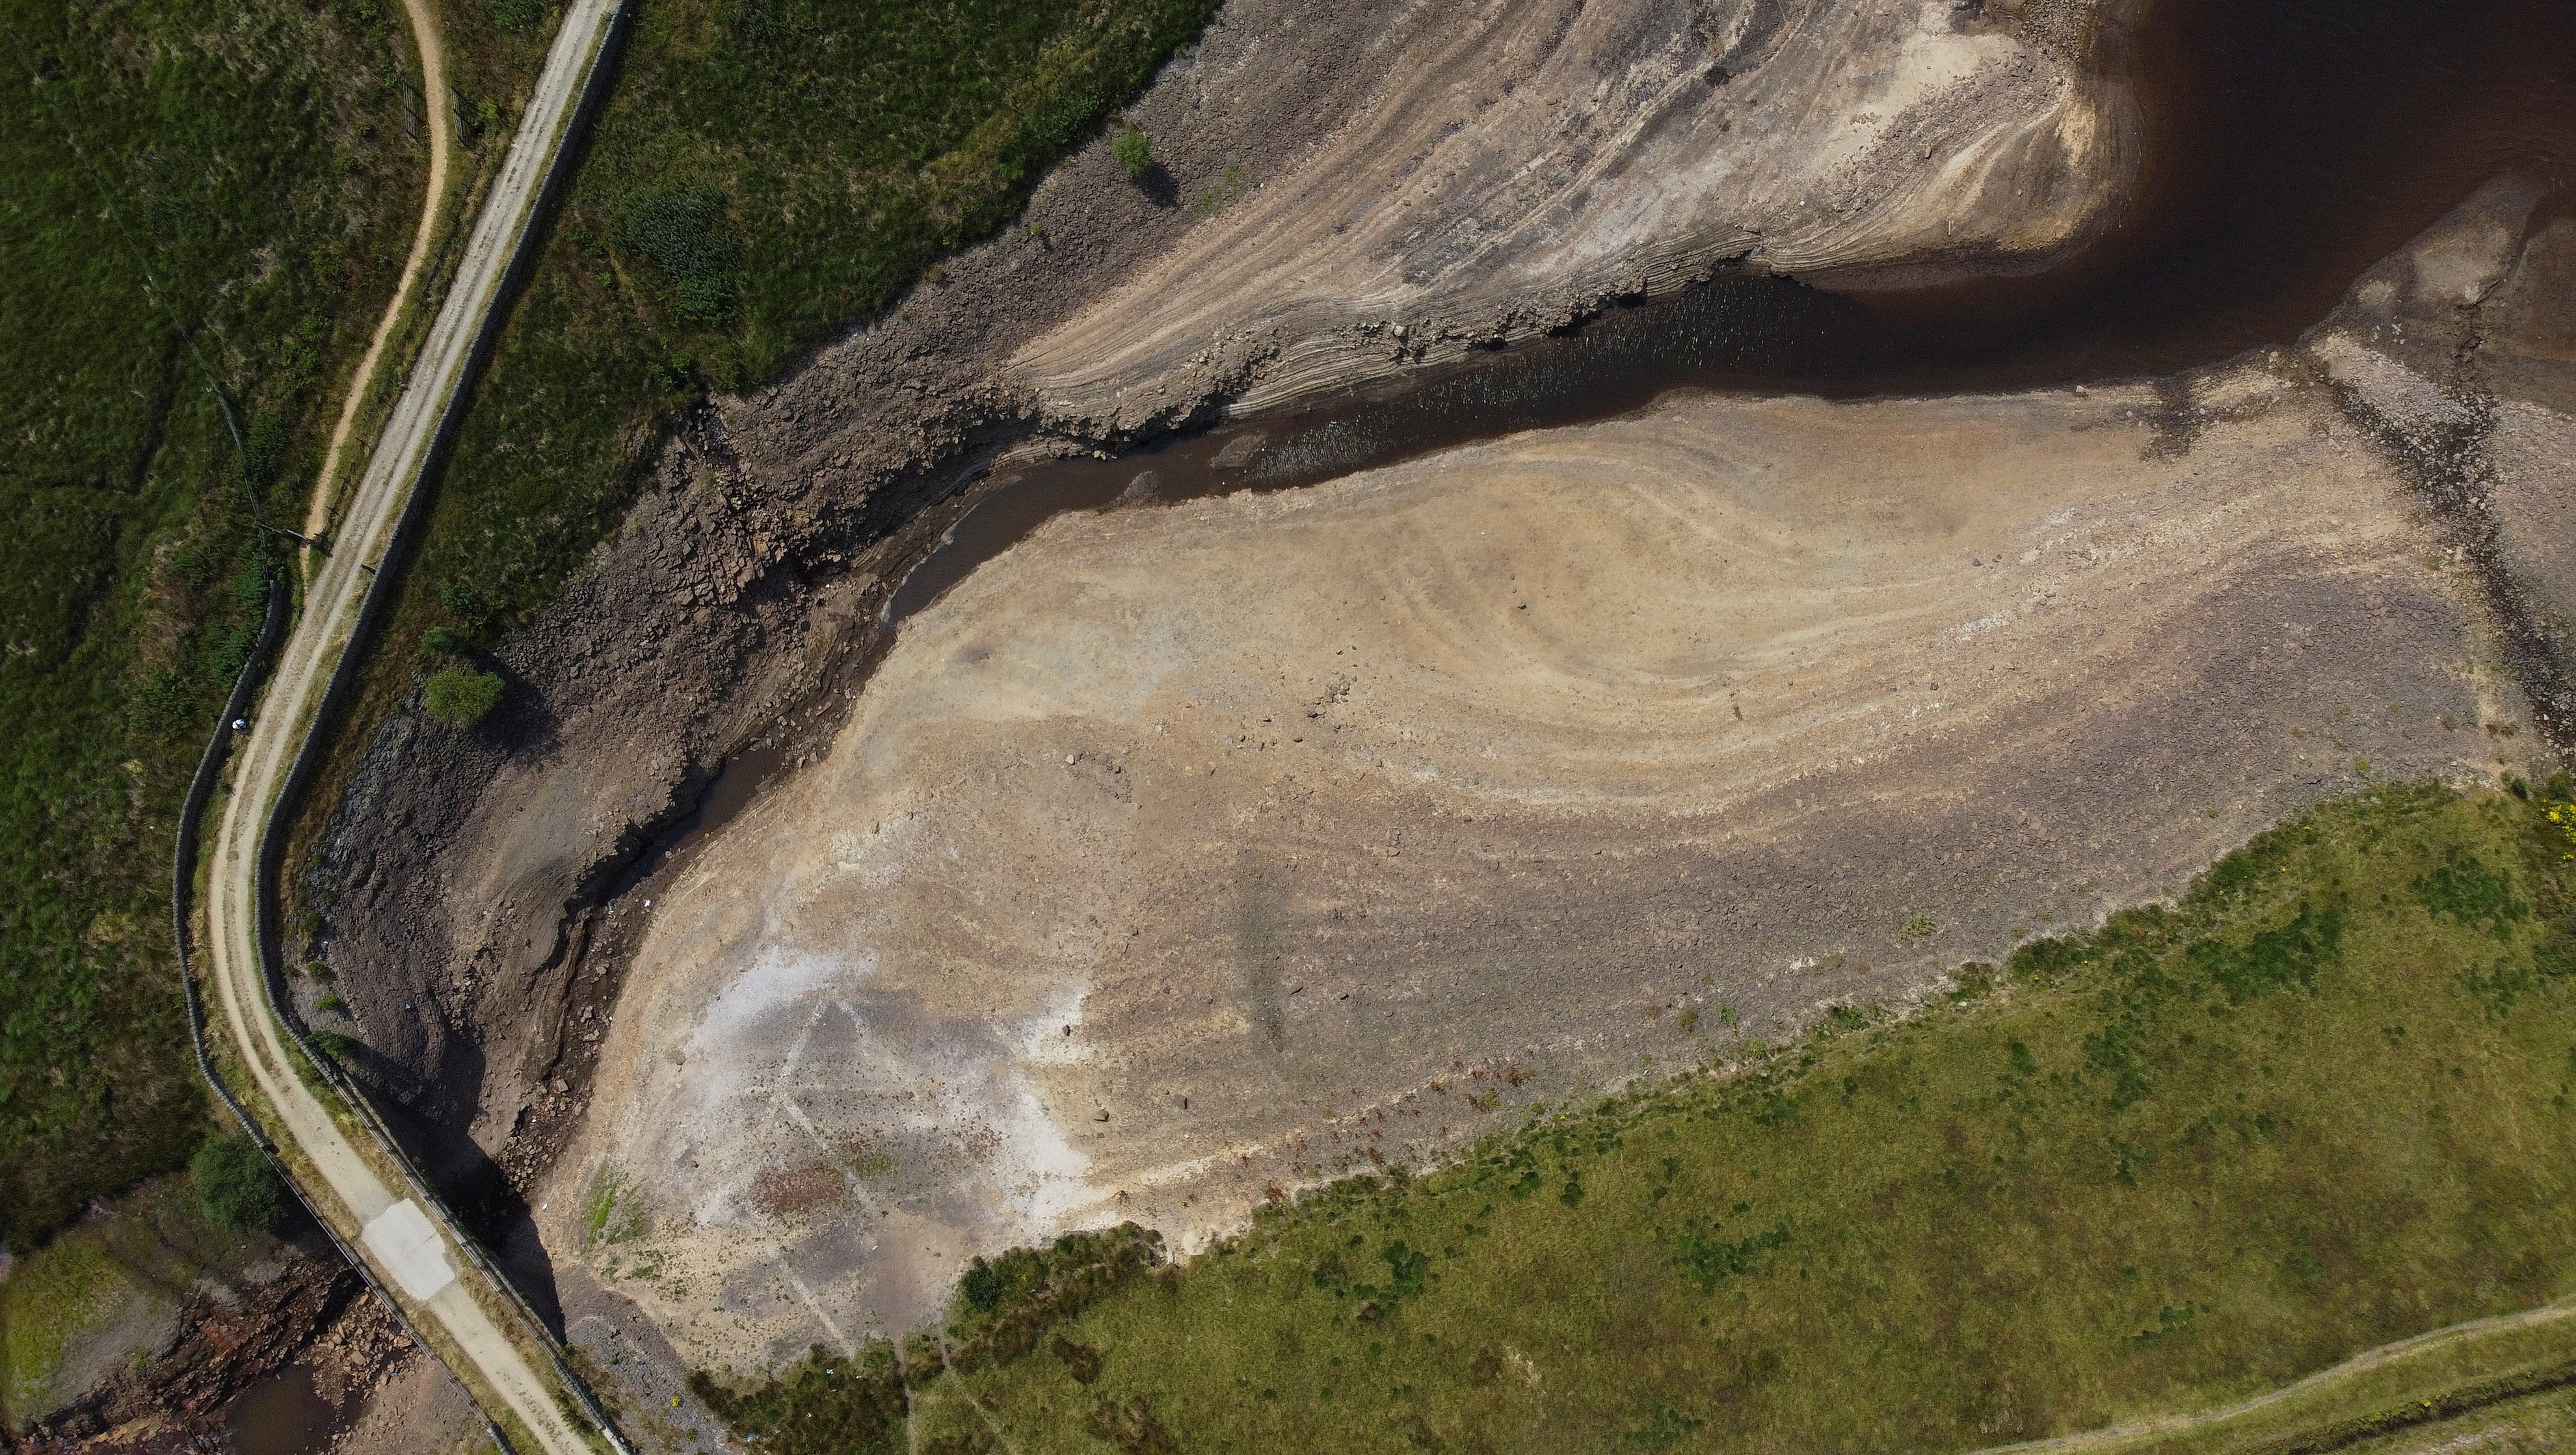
(612, 1213)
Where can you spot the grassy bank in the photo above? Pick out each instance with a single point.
(765, 173)
(207, 203)
(2532, 1425)
(2323, 1104)
(104, 1298)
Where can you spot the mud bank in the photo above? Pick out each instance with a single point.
(1182, 853)
(233, 1329)
(464, 876)
(1523, 166)
(472, 914)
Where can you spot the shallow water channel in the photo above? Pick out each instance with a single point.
(2289, 145)
(282, 1415)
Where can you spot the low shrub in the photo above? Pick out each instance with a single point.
(459, 700)
(237, 1186)
(1133, 151)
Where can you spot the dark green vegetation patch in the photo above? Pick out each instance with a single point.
(2193, 1156)
(830, 1405)
(195, 196)
(459, 699)
(766, 173)
(1133, 151)
(237, 1187)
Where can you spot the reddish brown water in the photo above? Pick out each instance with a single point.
(2291, 144)
(281, 1415)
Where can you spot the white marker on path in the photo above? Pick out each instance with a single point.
(404, 1242)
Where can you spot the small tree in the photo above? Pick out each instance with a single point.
(237, 1187)
(1132, 150)
(459, 699)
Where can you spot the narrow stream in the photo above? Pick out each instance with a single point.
(2290, 144)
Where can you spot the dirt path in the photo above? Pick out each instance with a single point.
(2140, 1433)
(433, 93)
(353, 1180)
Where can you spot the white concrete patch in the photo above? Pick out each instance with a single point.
(407, 1245)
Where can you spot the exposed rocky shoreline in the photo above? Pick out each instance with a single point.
(472, 882)
(1192, 851)
(296, 1308)
(466, 875)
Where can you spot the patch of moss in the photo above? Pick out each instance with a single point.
(53, 1297)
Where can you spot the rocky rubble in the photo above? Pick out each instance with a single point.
(467, 875)
(293, 1308)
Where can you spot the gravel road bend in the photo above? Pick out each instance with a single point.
(356, 1182)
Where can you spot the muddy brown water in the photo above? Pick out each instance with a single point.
(281, 1415)
(2289, 145)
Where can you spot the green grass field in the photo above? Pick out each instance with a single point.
(218, 197)
(2321, 1105)
(199, 196)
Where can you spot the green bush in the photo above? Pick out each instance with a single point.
(1133, 151)
(238, 1187)
(459, 699)
(443, 640)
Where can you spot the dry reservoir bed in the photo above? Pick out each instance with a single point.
(1188, 852)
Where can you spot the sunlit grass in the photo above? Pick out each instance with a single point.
(204, 206)
(2321, 1105)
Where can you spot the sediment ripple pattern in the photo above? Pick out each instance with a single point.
(1182, 852)
(1521, 164)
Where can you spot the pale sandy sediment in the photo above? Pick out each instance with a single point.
(1519, 165)
(1276, 828)
(1293, 833)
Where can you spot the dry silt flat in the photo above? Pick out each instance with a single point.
(1517, 165)
(1346, 193)
(1187, 852)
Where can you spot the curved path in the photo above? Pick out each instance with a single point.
(433, 106)
(350, 1173)
(2425, 1348)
